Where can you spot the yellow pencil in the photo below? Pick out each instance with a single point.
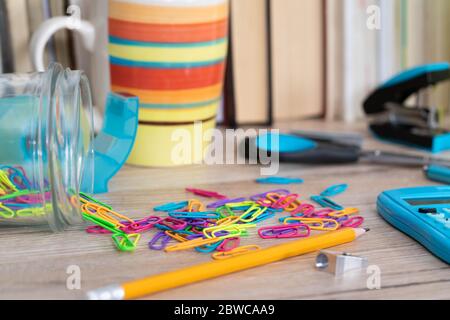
(208, 270)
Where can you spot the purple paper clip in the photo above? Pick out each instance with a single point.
(222, 202)
(194, 236)
(197, 222)
(320, 213)
(162, 237)
(264, 194)
(221, 233)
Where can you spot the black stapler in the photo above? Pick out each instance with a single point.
(415, 126)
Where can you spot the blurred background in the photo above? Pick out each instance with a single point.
(288, 59)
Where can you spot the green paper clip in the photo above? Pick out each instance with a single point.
(126, 242)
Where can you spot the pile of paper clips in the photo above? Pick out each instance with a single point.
(217, 227)
(19, 199)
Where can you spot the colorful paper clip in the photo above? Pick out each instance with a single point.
(206, 193)
(343, 212)
(208, 248)
(280, 192)
(198, 242)
(176, 236)
(334, 190)
(297, 230)
(195, 215)
(222, 202)
(142, 225)
(353, 222)
(285, 201)
(279, 180)
(252, 214)
(327, 203)
(304, 209)
(6, 212)
(126, 242)
(320, 224)
(172, 223)
(163, 239)
(229, 244)
(171, 206)
(235, 252)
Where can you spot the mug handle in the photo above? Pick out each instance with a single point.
(46, 30)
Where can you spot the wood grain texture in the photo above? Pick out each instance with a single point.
(33, 263)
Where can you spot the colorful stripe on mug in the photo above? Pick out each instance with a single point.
(181, 33)
(154, 14)
(173, 96)
(167, 79)
(169, 53)
(179, 115)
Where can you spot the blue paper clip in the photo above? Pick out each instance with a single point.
(326, 203)
(279, 180)
(334, 190)
(266, 215)
(274, 210)
(162, 227)
(209, 247)
(194, 215)
(171, 206)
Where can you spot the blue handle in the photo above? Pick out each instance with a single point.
(115, 141)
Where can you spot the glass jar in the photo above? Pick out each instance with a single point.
(46, 135)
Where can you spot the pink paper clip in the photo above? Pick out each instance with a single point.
(305, 209)
(142, 225)
(285, 201)
(229, 244)
(97, 230)
(353, 222)
(174, 224)
(296, 230)
(206, 193)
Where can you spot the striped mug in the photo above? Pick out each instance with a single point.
(171, 54)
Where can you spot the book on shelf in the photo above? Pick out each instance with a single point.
(247, 93)
(298, 58)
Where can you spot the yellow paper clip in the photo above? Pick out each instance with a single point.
(5, 183)
(222, 223)
(253, 215)
(6, 212)
(235, 252)
(176, 236)
(315, 223)
(195, 205)
(235, 230)
(239, 204)
(191, 244)
(293, 205)
(344, 212)
(30, 212)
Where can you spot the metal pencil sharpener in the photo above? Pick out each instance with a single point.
(339, 263)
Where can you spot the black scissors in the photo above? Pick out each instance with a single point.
(318, 148)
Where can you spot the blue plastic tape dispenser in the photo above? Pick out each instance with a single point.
(415, 126)
(423, 213)
(114, 142)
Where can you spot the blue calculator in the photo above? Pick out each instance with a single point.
(423, 213)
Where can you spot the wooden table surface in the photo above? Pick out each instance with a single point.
(33, 263)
